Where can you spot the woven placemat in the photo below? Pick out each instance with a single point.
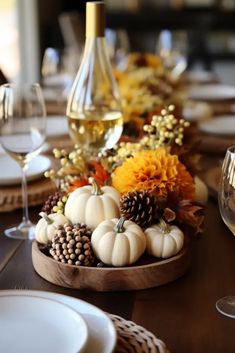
(132, 338)
(38, 192)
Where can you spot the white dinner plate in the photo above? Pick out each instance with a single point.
(57, 126)
(212, 92)
(195, 111)
(223, 125)
(10, 173)
(30, 324)
(200, 77)
(102, 334)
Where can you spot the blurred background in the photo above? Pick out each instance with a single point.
(202, 31)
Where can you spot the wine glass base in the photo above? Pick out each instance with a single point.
(24, 231)
(226, 306)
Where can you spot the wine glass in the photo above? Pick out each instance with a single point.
(22, 135)
(118, 46)
(57, 70)
(226, 305)
(171, 47)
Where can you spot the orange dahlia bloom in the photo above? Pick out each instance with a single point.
(156, 171)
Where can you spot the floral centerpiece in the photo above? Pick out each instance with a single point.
(140, 197)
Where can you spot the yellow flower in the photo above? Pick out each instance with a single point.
(156, 171)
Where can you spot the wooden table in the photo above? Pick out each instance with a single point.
(181, 313)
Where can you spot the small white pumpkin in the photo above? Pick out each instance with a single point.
(201, 191)
(92, 204)
(164, 240)
(47, 225)
(118, 244)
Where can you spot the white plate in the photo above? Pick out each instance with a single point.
(10, 173)
(57, 126)
(223, 125)
(195, 111)
(212, 92)
(200, 76)
(102, 334)
(30, 324)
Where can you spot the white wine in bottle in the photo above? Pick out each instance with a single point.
(94, 106)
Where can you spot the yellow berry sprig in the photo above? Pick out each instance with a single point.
(164, 130)
(119, 154)
(72, 164)
(59, 207)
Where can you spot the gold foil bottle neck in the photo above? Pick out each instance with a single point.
(95, 19)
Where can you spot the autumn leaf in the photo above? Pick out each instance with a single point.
(169, 215)
(192, 214)
(99, 174)
(77, 183)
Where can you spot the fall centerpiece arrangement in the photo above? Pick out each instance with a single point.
(137, 203)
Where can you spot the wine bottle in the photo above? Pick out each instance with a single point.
(94, 106)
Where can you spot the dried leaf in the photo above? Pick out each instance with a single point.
(191, 214)
(77, 183)
(169, 215)
(100, 174)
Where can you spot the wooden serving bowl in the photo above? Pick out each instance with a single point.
(150, 273)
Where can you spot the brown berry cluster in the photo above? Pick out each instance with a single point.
(71, 244)
(51, 202)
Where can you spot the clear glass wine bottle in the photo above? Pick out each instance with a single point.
(94, 106)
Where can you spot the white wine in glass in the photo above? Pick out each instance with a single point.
(22, 135)
(226, 305)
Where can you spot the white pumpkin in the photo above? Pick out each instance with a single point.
(92, 204)
(201, 191)
(47, 225)
(164, 240)
(118, 242)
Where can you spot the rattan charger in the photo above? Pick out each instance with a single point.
(132, 338)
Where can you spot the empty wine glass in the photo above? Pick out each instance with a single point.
(22, 135)
(118, 46)
(226, 305)
(56, 73)
(171, 47)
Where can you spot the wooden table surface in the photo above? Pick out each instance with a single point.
(181, 313)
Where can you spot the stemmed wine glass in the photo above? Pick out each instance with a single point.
(22, 134)
(172, 47)
(226, 305)
(118, 46)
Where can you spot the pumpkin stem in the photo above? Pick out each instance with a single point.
(119, 227)
(164, 226)
(96, 189)
(45, 216)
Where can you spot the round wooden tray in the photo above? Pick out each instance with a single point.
(143, 276)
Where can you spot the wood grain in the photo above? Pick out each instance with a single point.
(110, 278)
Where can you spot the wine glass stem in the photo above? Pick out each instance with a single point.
(25, 217)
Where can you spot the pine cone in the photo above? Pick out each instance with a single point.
(139, 207)
(71, 244)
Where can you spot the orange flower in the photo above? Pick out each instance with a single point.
(156, 171)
